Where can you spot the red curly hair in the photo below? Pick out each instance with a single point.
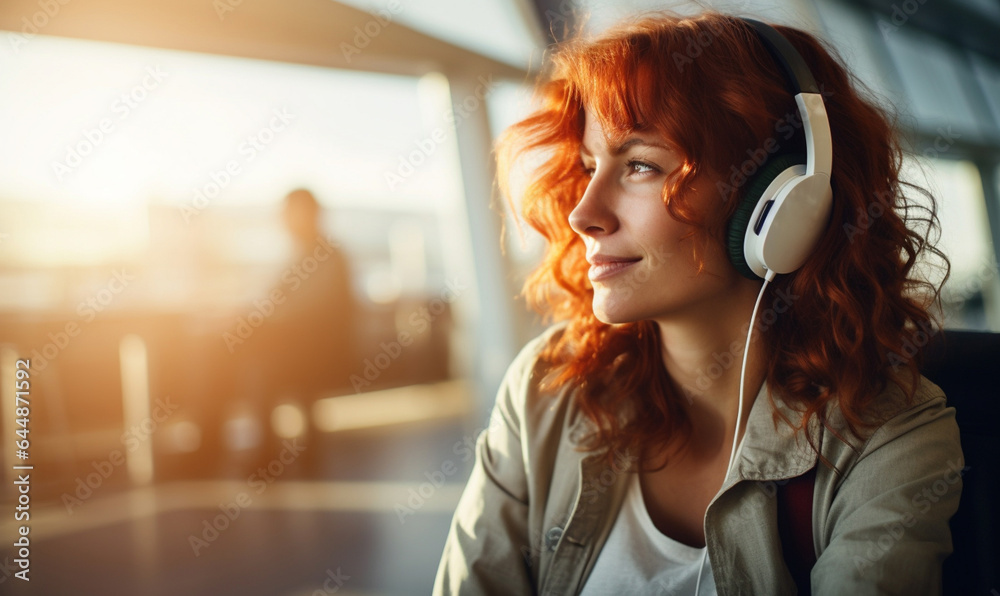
(708, 86)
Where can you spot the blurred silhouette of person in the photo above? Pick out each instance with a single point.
(310, 345)
(319, 310)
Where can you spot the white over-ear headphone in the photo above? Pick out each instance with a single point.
(787, 203)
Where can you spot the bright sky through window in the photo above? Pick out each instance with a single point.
(102, 123)
(97, 131)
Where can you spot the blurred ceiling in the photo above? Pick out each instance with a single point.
(969, 24)
(314, 32)
(502, 37)
(507, 30)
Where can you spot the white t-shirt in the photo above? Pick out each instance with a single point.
(639, 559)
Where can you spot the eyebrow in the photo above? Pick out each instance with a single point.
(622, 147)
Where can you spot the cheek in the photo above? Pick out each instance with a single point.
(651, 213)
(662, 238)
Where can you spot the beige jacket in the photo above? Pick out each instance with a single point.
(535, 513)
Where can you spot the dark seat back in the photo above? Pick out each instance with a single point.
(965, 364)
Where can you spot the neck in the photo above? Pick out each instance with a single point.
(703, 354)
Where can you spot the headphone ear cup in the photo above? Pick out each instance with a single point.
(737, 228)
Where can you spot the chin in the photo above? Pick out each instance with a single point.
(614, 314)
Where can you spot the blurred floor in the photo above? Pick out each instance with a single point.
(373, 521)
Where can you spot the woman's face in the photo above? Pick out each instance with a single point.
(639, 265)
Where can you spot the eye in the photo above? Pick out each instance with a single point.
(640, 167)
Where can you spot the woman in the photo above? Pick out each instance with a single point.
(643, 444)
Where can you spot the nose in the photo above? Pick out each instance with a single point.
(593, 215)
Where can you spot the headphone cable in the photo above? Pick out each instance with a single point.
(739, 415)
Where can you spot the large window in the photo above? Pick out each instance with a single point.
(176, 163)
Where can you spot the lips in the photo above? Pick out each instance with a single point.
(605, 266)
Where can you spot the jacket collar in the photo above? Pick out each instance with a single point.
(771, 452)
(767, 453)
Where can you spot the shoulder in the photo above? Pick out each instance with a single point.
(891, 412)
(538, 411)
(522, 385)
(894, 398)
(926, 422)
(529, 365)
(923, 427)
(884, 510)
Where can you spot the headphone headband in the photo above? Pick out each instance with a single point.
(819, 145)
(787, 57)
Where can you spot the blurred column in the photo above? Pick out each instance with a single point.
(493, 330)
(135, 407)
(989, 173)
